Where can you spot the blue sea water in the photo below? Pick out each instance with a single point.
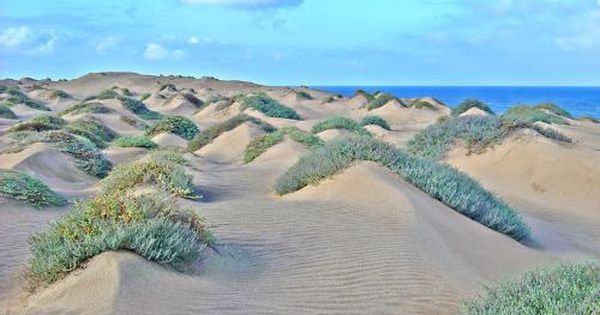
(579, 101)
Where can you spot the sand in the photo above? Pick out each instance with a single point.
(361, 242)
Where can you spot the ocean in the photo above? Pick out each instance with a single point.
(579, 101)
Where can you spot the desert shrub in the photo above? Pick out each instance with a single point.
(91, 108)
(87, 156)
(92, 129)
(150, 225)
(39, 123)
(139, 108)
(59, 94)
(268, 106)
(304, 95)
(18, 97)
(20, 186)
(554, 109)
(308, 140)
(6, 112)
(380, 100)
(551, 134)
(134, 122)
(340, 123)
(442, 182)
(107, 94)
(563, 289)
(134, 141)
(206, 136)
(178, 125)
(261, 144)
(419, 104)
(328, 99)
(531, 114)
(3, 88)
(144, 97)
(158, 170)
(364, 93)
(470, 103)
(126, 92)
(375, 120)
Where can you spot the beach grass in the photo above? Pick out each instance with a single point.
(21, 186)
(268, 106)
(177, 125)
(471, 103)
(206, 136)
(375, 120)
(134, 141)
(338, 122)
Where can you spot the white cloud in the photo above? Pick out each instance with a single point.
(195, 40)
(45, 45)
(106, 43)
(248, 4)
(155, 51)
(15, 36)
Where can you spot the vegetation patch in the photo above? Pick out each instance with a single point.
(160, 170)
(340, 123)
(134, 141)
(304, 95)
(59, 94)
(150, 225)
(206, 136)
(139, 108)
(178, 125)
(92, 129)
(87, 156)
(546, 113)
(144, 97)
(90, 107)
(20, 186)
(565, 289)
(108, 94)
(39, 123)
(261, 144)
(18, 97)
(442, 182)
(419, 104)
(138, 124)
(380, 100)
(375, 120)
(6, 112)
(268, 106)
(470, 103)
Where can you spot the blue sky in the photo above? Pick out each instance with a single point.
(314, 42)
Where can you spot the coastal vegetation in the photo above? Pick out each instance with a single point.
(21, 186)
(178, 125)
(268, 106)
(471, 103)
(134, 141)
(338, 122)
(375, 120)
(206, 136)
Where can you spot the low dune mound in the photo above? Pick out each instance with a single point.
(285, 153)
(170, 140)
(125, 125)
(331, 134)
(532, 169)
(118, 155)
(217, 112)
(230, 145)
(55, 168)
(474, 111)
(182, 104)
(402, 118)
(359, 100)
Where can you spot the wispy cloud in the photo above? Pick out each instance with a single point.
(155, 52)
(106, 43)
(15, 36)
(246, 4)
(23, 39)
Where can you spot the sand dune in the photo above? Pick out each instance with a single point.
(170, 140)
(230, 145)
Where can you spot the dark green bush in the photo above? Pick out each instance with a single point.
(380, 100)
(308, 140)
(565, 289)
(5, 112)
(18, 97)
(206, 136)
(144, 97)
(134, 141)
(59, 94)
(20, 186)
(304, 95)
(551, 134)
(108, 94)
(375, 120)
(442, 182)
(178, 125)
(39, 123)
(92, 129)
(419, 104)
(340, 123)
(91, 108)
(470, 103)
(268, 106)
(139, 108)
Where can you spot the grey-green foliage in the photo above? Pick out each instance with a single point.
(564, 289)
(21, 186)
(92, 129)
(375, 120)
(380, 100)
(139, 108)
(6, 112)
(471, 103)
(207, 135)
(455, 189)
(340, 123)
(18, 97)
(178, 125)
(547, 113)
(134, 141)
(262, 143)
(88, 157)
(268, 106)
(39, 123)
(89, 107)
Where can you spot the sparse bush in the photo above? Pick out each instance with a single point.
(340, 123)
(107, 94)
(39, 123)
(139, 108)
(380, 100)
(178, 125)
(304, 95)
(564, 289)
(268, 106)
(470, 103)
(134, 141)
(6, 112)
(532, 114)
(144, 97)
(551, 134)
(554, 109)
(158, 170)
(18, 97)
(59, 94)
(20, 186)
(87, 157)
(375, 120)
(206, 136)
(91, 108)
(92, 129)
(442, 182)
(261, 144)
(419, 104)
(366, 94)
(150, 225)
(308, 140)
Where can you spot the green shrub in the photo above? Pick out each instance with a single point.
(340, 123)
(419, 104)
(18, 97)
(551, 134)
(59, 94)
(5, 112)
(126, 92)
(380, 100)
(442, 182)
(531, 114)
(20, 186)
(470, 103)
(92, 129)
(150, 225)
(158, 170)
(304, 95)
(134, 141)
(375, 120)
(268, 106)
(87, 157)
(39, 123)
(91, 108)
(261, 144)
(206, 136)
(551, 107)
(144, 97)
(364, 93)
(107, 94)
(178, 125)
(565, 289)
(139, 108)
(308, 140)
